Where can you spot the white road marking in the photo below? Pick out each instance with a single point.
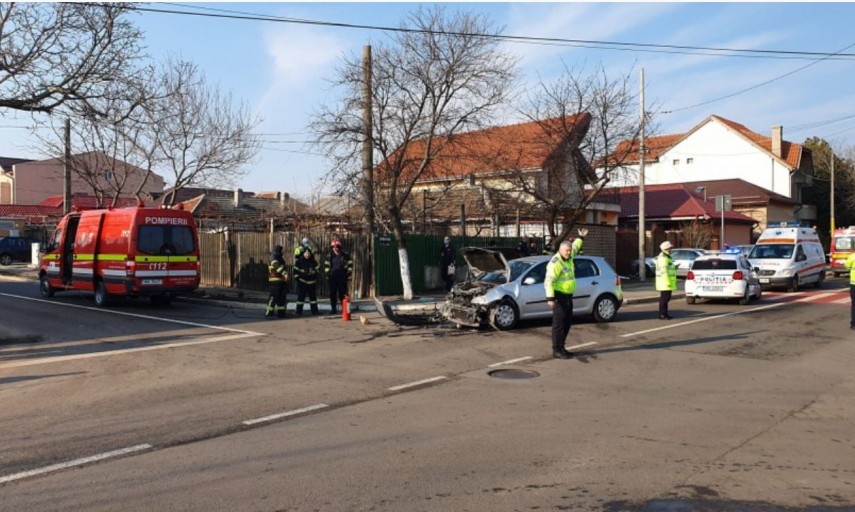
(705, 319)
(285, 414)
(417, 383)
(134, 315)
(511, 361)
(46, 360)
(73, 463)
(778, 296)
(580, 346)
(841, 301)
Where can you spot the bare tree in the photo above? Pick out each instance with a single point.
(697, 233)
(582, 120)
(201, 136)
(438, 77)
(56, 54)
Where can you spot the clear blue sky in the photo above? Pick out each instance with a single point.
(280, 69)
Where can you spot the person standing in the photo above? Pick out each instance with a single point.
(338, 267)
(560, 283)
(446, 263)
(277, 278)
(305, 244)
(850, 266)
(522, 247)
(306, 273)
(666, 278)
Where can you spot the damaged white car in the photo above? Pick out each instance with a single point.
(500, 293)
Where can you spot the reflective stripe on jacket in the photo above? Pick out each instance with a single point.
(850, 266)
(306, 270)
(276, 271)
(666, 273)
(561, 274)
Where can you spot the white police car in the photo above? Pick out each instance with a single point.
(722, 275)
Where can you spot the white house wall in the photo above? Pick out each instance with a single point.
(718, 153)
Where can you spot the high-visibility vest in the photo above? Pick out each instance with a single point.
(850, 265)
(561, 274)
(666, 273)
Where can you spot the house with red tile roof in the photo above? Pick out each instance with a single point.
(718, 149)
(480, 174)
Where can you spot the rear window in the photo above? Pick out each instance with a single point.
(714, 264)
(165, 240)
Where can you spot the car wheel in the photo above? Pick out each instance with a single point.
(102, 299)
(605, 309)
(794, 284)
(5, 259)
(45, 288)
(820, 279)
(746, 297)
(691, 300)
(505, 315)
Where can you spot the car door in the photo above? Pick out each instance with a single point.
(587, 280)
(532, 295)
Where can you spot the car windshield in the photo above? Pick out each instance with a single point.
(844, 243)
(518, 267)
(772, 251)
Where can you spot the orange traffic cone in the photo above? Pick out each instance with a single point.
(345, 309)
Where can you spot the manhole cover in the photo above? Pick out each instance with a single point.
(510, 373)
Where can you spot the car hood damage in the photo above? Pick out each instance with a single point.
(466, 303)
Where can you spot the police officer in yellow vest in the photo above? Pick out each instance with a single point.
(560, 283)
(277, 278)
(666, 278)
(850, 266)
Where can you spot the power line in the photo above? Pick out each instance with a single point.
(742, 91)
(597, 44)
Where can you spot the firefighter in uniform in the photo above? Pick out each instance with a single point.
(338, 267)
(850, 266)
(560, 283)
(306, 274)
(277, 279)
(666, 278)
(305, 244)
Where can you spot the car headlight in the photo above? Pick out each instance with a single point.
(480, 300)
(785, 272)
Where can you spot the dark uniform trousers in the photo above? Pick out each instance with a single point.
(852, 301)
(562, 319)
(338, 288)
(304, 289)
(664, 299)
(276, 302)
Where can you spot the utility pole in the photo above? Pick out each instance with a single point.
(368, 168)
(642, 267)
(66, 170)
(832, 195)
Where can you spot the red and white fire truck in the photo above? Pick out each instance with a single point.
(137, 251)
(842, 245)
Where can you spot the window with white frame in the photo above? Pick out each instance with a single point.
(676, 161)
(690, 160)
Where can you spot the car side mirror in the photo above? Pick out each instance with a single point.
(529, 280)
(756, 269)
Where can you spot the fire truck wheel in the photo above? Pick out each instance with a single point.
(45, 288)
(102, 299)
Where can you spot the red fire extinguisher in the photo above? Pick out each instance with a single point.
(345, 309)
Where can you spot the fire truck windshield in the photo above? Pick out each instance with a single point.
(844, 243)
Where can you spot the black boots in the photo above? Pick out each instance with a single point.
(561, 353)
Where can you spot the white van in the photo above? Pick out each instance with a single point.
(788, 257)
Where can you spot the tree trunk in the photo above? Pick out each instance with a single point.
(403, 260)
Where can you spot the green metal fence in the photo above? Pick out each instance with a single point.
(423, 256)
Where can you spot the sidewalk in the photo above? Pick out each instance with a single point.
(635, 292)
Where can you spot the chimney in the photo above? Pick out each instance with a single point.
(283, 199)
(777, 135)
(238, 198)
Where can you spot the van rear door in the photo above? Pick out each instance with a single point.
(166, 256)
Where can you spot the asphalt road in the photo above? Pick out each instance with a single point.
(725, 406)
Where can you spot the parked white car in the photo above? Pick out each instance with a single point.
(501, 293)
(722, 276)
